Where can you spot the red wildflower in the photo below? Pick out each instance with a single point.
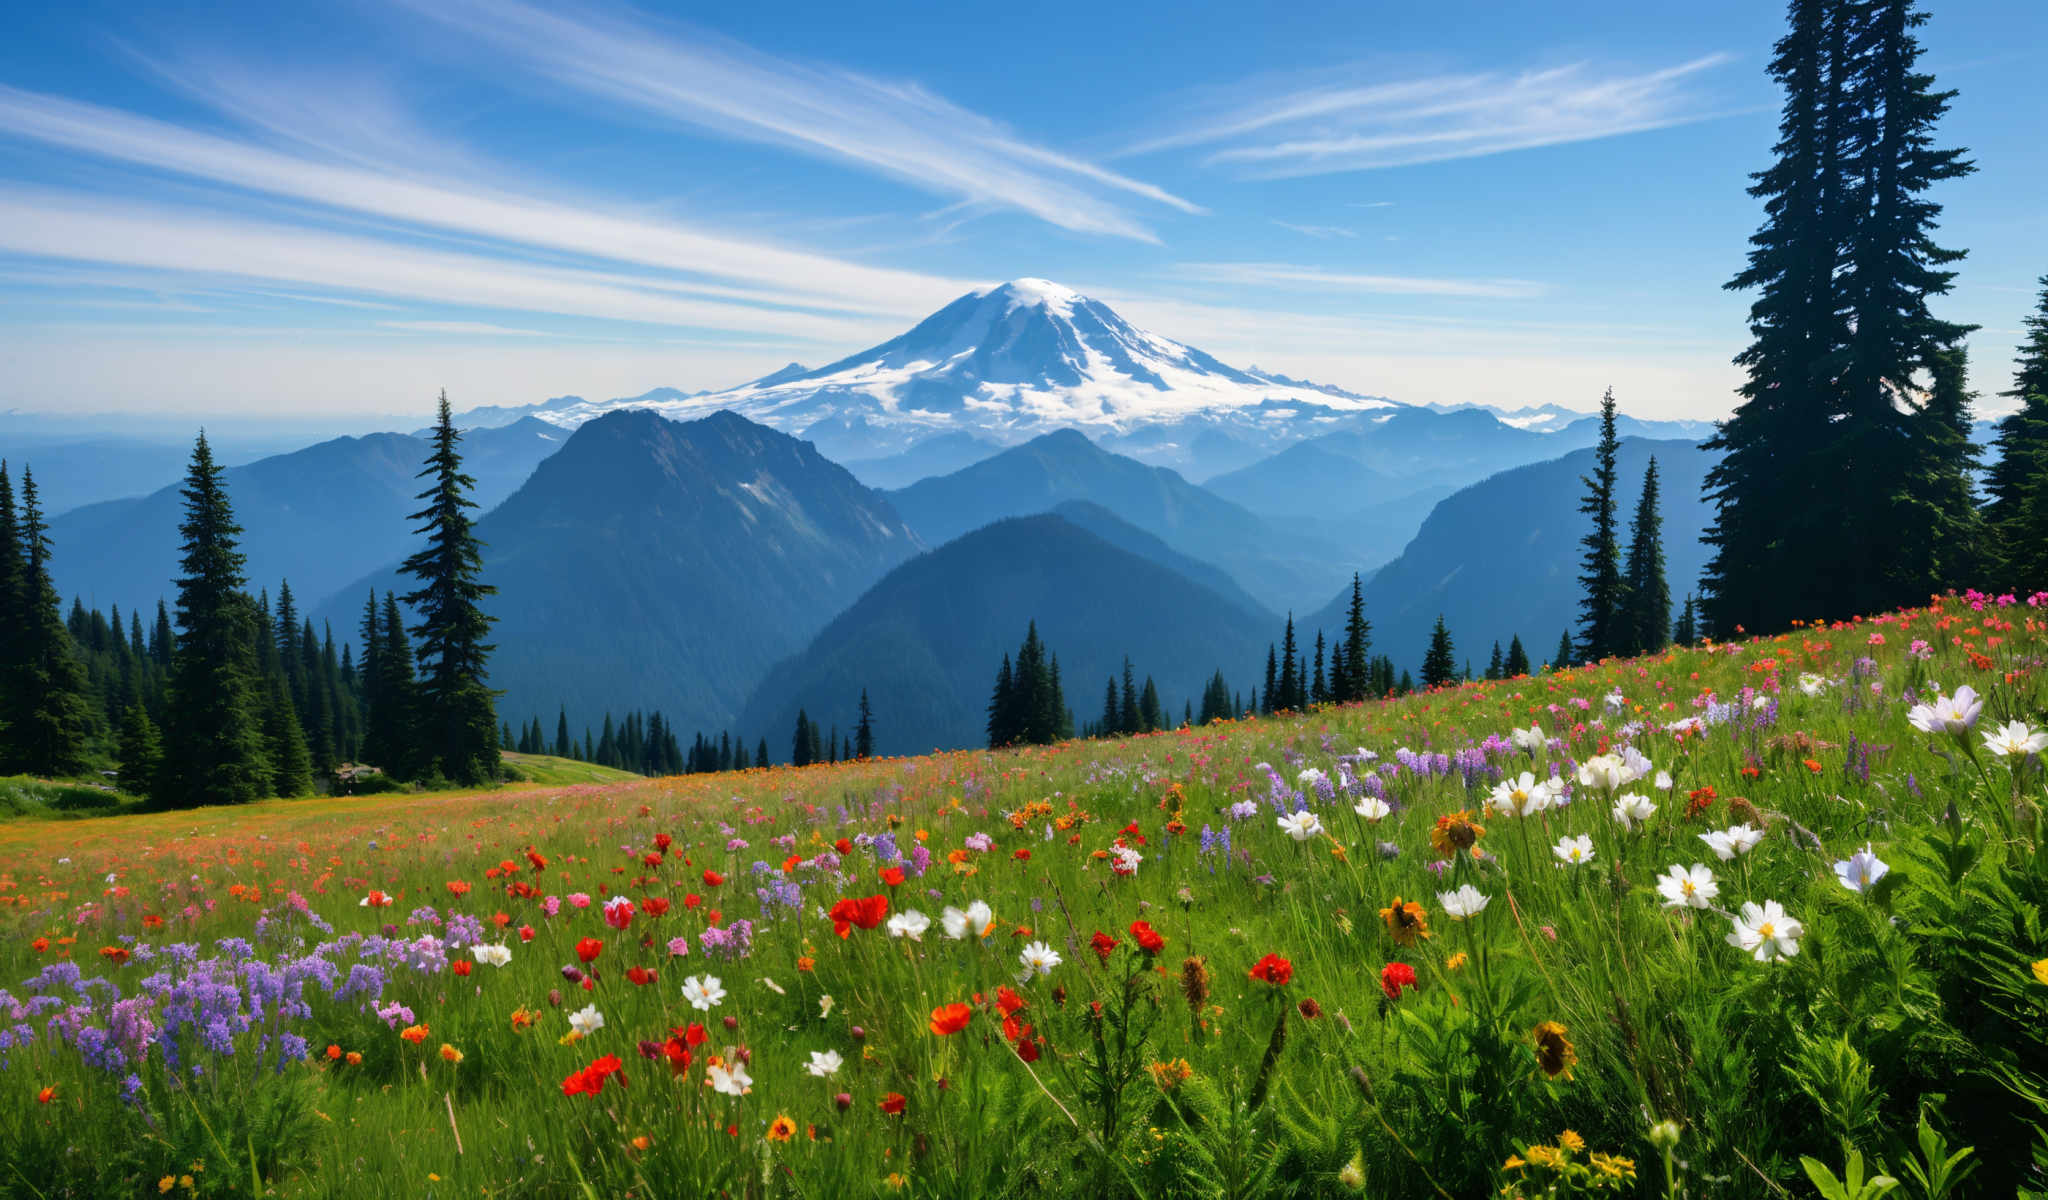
(1104, 945)
(655, 906)
(46, 1095)
(712, 878)
(843, 846)
(1149, 939)
(640, 976)
(526, 933)
(590, 1080)
(948, 1019)
(893, 876)
(1273, 969)
(1007, 1001)
(461, 966)
(692, 900)
(457, 887)
(534, 856)
(1394, 977)
(587, 949)
(866, 912)
(114, 954)
(1022, 854)
(893, 1104)
(663, 841)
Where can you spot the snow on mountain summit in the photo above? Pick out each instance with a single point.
(1008, 363)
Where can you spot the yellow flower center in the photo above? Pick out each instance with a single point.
(1766, 930)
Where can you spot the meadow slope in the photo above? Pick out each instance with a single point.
(1651, 927)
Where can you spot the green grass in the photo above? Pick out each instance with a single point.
(548, 770)
(1914, 1014)
(27, 796)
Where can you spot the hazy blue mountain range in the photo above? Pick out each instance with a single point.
(926, 640)
(1501, 556)
(320, 517)
(655, 564)
(1272, 561)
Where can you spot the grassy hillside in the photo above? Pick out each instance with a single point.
(1337, 954)
(547, 770)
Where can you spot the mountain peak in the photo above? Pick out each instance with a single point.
(1030, 292)
(1007, 363)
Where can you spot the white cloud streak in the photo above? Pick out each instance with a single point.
(756, 272)
(896, 129)
(69, 226)
(1335, 126)
(1324, 232)
(1290, 277)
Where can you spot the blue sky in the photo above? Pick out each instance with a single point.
(340, 208)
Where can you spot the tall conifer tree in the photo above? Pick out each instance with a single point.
(214, 748)
(43, 693)
(1645, 626)
(1605, 589)
(2017, 479)
(1440, 664)
(459, 723)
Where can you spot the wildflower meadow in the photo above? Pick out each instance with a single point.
(1756, 918)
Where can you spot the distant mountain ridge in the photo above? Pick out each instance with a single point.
(656, 564)
(1269, 561)
(926, 640)
(319, 517)
(1501, 557)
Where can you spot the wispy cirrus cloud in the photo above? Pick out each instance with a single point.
(894, 128)
(1318, 231)
(1297, 278)
(708, 262)
(75, 227)
(1279, 129)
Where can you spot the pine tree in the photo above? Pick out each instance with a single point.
(2017, 480)
(864, 733)
(291, 766)
(1769, 506)
(1290, 677)
(1128, 719)
(1646, 599)
(390, 729)
(1944, 538)
(800, 742)
(43, 694)
(1264, 698)
(1605, 589)
(1151, 715)
(1517, 662)
(817, 744)
(213, 736)
(1439, 664)
(1002, 707)
(1901, 461)
(1357, 645)
(141, 752)
(761, 753)
(1494, 665)
(1685, 631)
(1318, 688)
(1832, 500)
(563, 746)
(459, 726)
(1566, 656)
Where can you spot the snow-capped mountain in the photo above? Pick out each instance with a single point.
(1012, 362)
